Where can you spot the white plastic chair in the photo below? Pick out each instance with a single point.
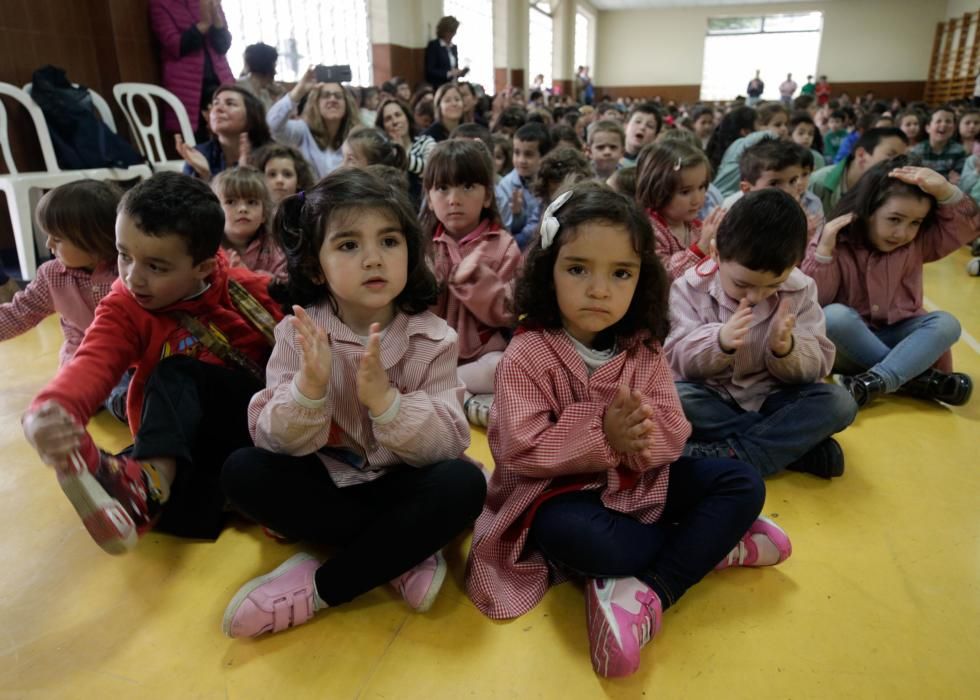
(98, 101)
(24, 190)
(147, 134)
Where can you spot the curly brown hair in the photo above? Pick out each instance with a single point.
(535, 300)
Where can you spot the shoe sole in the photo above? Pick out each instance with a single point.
(245, 591)
(437, 580)
(103, 516)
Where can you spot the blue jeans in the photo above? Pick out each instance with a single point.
(896, 353)
(710, 505)
(789, 423)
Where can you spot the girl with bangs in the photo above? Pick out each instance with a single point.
(475, 263)
(248, 208)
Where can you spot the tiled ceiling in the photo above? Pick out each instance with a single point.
(658, 4)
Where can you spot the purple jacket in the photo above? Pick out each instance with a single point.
(183, 75)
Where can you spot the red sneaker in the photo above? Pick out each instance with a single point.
(110, 496)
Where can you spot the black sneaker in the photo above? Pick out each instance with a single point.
(477, 409)
(863, 387)
(825, 459)
(954, 388)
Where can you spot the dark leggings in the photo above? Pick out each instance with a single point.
(383, 528)
(710, 505)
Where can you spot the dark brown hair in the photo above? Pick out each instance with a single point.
(272, 150)
(563, 165)
(255, 124)
(535, 300)
(377, 148)
(459, 162)
(300, 228)
(379, 120)
(84, 214)
(870, 193)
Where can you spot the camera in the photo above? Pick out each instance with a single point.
(333, 74)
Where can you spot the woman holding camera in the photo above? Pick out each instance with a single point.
(327, 118)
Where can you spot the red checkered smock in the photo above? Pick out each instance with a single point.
(546, 425)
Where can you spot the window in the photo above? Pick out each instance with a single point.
(474, 38)
(540, 28)
(305, 32)
(583, 46)
(736, 47)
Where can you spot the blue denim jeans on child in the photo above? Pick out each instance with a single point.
(790, 422)
(896, 353)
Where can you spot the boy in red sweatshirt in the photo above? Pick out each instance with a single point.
(198, 334)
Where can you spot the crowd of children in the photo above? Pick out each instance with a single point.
(644, 323)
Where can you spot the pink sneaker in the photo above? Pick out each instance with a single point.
(420, 586)
(765, 544)
(284, 597)
(623, 614)
(110, 496)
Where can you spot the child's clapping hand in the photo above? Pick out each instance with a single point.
(781, 331)
(627, 422)
(373, 388)
(732, 334)
(709, 228)
(517, 202)
(313, 377)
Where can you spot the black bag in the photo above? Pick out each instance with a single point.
(79, 137)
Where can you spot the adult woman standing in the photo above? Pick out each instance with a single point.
(441, 55)
(194, 39)
(449, 112)
(328, 116)
(237, 121)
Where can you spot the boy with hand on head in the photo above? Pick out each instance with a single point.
(643, 123)
(175, 299)
(519, 209)
(941, 152)
(605, 147)
(875, 145)
(748, 346)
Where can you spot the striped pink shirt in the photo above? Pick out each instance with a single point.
(698, 309)
(425, 425)
(72, 293)
(264, 255)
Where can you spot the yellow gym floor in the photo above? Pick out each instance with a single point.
(881, 597)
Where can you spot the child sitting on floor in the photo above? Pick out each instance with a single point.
(198, 334)
(867, 264)
(475, 263)
(248, 209)
(749, 349)
(586, 432)
(359, 430)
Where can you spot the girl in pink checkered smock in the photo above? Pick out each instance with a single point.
(78, 220)
(587, 431)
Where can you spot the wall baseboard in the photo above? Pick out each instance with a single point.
(907, 90)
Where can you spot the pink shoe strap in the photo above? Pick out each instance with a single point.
(290, 610)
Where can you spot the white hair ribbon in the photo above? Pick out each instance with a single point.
(549, 224)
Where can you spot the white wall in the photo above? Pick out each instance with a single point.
(859, 42)
(958, 8)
